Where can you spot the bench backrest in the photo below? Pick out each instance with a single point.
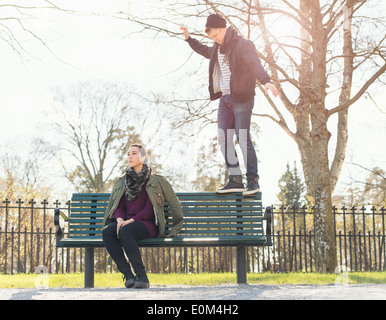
(205, 215)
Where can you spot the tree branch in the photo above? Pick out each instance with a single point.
(280, 123)
(359, 93)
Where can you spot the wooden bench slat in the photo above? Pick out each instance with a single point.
(86, 214)
(210, 207)
(185, 209)
(218, 203)
(88, 210)
(220, 219)
(203, 228)
(256, 214)
(223, 231)
(194, 233)
(74, 222)
(224, 226)
(198, 220)
(98, 222)
(93, 199)
(89, 232)
(181, 196)
(216, 196)
(89, 204)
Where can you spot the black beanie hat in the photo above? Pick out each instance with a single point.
(215, 20)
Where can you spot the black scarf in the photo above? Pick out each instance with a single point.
(135, 181)
(230, 36)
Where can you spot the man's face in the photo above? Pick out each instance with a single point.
(217, 34)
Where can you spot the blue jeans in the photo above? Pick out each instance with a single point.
(235, 117)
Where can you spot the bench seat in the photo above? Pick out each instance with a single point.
(178, 241)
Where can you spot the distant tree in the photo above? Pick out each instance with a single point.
(24, 179)
(24, 169)
(372, 190)
(375, 187)
(210, 173)
(97, 122)
(292, 188)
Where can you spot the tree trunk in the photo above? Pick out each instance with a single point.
(345, 95)
(326, 256)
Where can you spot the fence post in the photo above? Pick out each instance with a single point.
(374, 239)
(364, 235)
(32, 202)
(19, 202)
(44, 203)
(7, 202)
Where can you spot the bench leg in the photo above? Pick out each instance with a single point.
(241, 265)
(89, 268)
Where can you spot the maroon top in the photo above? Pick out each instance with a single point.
(140, 209)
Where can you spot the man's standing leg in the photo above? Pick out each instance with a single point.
(226, 130)
(243, 113)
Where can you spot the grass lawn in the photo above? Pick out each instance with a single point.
(114, 280)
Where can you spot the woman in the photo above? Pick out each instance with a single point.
(135, 211)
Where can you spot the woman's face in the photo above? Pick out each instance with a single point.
(134, 157)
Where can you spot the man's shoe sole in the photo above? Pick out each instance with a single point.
(230, 190)
(250, 192)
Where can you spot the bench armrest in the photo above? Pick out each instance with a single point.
(268, 219)
(59, 232)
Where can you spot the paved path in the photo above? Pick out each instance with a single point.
(219, 292)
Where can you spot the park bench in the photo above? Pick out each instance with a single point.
(210, 220)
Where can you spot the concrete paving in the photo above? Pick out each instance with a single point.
(219, 292)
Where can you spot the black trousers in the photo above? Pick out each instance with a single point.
(127, 243)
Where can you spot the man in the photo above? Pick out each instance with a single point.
(233, 69)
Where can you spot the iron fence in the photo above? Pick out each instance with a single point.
(27, 240)
(359, 239)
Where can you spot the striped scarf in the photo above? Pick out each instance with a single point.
(134, 182)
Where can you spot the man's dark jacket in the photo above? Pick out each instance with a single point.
(244, 65)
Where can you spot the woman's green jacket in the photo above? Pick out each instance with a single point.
(159, 190)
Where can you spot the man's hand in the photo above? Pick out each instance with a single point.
(270, 86)
(186, 32)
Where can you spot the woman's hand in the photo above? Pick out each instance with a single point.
(121, 223)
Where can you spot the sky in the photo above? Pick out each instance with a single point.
(99, 47)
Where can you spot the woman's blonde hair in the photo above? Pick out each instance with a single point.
(142, 151)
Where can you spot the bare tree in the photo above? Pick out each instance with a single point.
(17, 20)
(374, 187)
(97, 122)
(24, 168)
(323, 56)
